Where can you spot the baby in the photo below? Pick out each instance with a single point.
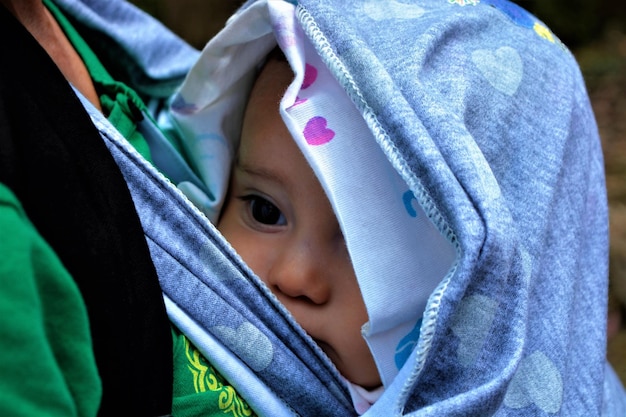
(279, 220)
(313, 205)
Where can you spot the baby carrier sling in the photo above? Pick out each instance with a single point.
(53, 159)
(484, 114)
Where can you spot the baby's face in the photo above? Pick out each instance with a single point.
(277, 217)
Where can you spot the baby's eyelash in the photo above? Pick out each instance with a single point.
(263, 211)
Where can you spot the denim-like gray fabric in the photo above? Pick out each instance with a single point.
(152, 58)
(214, 291)
(484, 113)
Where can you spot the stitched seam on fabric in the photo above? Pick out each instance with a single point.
(322, 45)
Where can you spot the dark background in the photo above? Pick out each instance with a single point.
(595, 32)
(576, 22)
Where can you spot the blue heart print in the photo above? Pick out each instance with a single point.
(513, 11)
(406, 345)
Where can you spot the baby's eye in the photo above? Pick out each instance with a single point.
(265, 212)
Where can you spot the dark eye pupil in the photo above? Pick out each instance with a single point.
(265, 212)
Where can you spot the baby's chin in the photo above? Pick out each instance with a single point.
(354, 376)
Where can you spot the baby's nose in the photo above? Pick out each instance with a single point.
(302, 272)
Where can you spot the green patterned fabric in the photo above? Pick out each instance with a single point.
(198, 388)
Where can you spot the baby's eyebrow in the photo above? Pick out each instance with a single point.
(263, 173)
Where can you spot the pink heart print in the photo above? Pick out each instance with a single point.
(316, 133)
(310, 75)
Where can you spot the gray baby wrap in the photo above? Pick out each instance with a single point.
(213, 298)
(483, 114)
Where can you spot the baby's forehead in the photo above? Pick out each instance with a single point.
(263, 127)
(272, 79)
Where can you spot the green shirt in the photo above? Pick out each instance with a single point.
(43, 316)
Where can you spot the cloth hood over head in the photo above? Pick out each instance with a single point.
(398, 255)
(457, 146)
